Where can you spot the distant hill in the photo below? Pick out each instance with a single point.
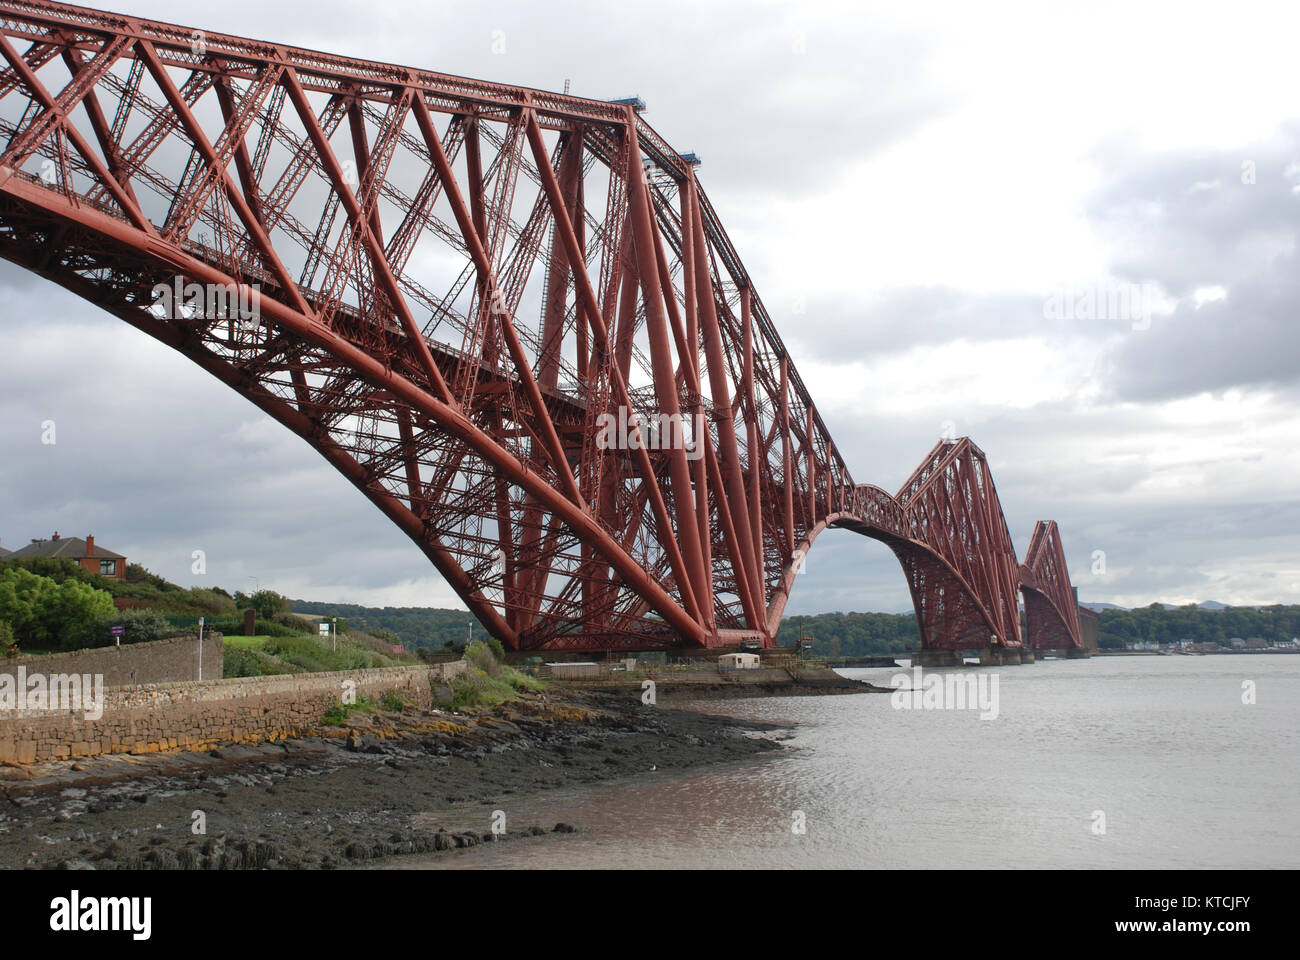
(865, 634)
(1213, 606)
(1210, 605)
(431, 627)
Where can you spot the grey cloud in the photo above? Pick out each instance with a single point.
(719, 79)
(902, 318)
(1242, 236)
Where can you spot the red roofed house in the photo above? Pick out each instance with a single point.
(83, 552)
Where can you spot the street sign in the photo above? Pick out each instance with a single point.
(324, 629)
(118, 631)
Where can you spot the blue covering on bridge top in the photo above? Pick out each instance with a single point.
(636, 102)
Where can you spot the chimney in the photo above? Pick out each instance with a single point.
(56, 534)
(90, 544)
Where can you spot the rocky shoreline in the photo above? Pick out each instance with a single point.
(383, 785)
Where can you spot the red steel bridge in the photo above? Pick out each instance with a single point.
(452, 289)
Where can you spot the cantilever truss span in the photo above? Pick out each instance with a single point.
(511, 318)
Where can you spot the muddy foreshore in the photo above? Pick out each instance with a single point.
(383, 785)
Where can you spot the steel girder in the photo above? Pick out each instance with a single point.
(458, 285)
(947, 529)
(1051, 609)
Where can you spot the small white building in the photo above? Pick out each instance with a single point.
(570, 671)
(738, 661)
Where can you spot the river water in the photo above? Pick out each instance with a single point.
(1110, 762)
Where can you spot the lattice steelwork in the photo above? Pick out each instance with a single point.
(1051, 610)
(456, 286)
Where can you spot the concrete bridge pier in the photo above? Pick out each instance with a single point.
(1027, 655)
(1076, 653)
(1001, 656)
(937, 658)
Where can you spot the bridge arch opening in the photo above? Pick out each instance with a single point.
(949, 615)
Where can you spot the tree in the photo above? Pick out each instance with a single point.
(138, 574)
(21, 603)
(268, 603)
(43, 613)
(57, 569)
(74, 610)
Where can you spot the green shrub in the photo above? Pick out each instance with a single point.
(43, 612)
(476, 688)
(298, 622)
(243, 662)
(394, 703)
(56, 569)
(317, 656)
(141, 626)
(336, 715)
(209, 603)
(267, 603)
(480, 655)
(522, 681)
(235, 626)
(135, 573)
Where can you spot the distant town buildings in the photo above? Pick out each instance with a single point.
(85, 553)
(1201, 646)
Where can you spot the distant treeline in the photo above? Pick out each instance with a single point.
(861, 634)
(857, 633)
(852, 634)
(414, 626)
(1155, 623)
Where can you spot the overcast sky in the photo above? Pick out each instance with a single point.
(919, 194)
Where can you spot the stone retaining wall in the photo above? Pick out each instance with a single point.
(160, 661)
(147, 718)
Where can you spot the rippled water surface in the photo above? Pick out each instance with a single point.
(1185, 773)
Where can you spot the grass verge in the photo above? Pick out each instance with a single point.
(487, 682)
